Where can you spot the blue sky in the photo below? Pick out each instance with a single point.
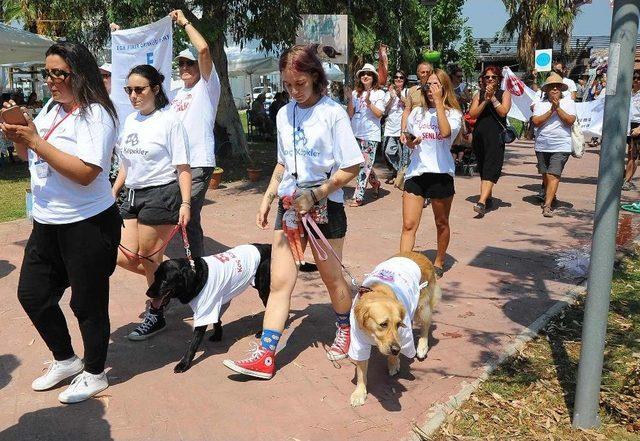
(488, 16)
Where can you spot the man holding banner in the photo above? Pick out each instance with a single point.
(196, 105)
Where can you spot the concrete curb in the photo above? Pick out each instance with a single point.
(439, 413)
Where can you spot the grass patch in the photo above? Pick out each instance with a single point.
(14, 179)
(531, 395)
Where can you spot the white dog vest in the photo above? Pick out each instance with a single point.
(230, 273)
(403, 276)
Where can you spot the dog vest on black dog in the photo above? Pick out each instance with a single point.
(230, 273)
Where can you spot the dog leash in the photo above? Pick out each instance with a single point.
(308, 223)
(185, 241)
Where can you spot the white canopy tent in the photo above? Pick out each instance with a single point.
(18, 46)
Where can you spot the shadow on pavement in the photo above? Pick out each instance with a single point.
(8, 363)
(83, 421)
(6, 268)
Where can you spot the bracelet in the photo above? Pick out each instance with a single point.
(313, 196)
(186, 203)
(186, 24)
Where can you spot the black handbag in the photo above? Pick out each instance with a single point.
(508, 134)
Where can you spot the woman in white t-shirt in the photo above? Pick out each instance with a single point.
(396, 152)
(154, 168)
(553, 117)
(76, 225)
(317, 156)
(365, 108)
(431, 131)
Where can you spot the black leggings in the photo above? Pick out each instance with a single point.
(80, 255)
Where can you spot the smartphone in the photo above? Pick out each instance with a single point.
(410, 136)
(13, 115)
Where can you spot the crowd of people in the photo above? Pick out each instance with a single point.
(165, 152)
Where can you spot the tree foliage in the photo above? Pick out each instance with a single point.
(467, 56)
(539, 24)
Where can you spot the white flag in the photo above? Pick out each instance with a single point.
(150, 44)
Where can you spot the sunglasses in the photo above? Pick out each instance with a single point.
(138, 89)
(187, 63)
(106, 75)
(398, 77)
(56, 75)
(491, 77)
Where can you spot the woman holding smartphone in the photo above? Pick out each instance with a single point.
(76, 225)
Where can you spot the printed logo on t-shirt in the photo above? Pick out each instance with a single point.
(429, 129)
(384, 274)
(300, 143)
(228, 256)
(180, 105)
(130, 144)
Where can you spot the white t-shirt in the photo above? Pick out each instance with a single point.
(634, 115)
(554, 135)
(433, 155)
(197, 108)
(364, 123)
(403, 276)
(230, 273)
(394, 116)
(150, 147)
(324, 144)
(90, 137)
(571, 87)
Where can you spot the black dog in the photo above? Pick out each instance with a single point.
(176, 278)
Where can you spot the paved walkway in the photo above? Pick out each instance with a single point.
(502, 277)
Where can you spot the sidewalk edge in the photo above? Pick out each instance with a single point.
(439, 413)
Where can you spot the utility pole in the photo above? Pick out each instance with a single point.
(624, 31)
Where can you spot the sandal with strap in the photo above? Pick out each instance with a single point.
(355, 203)
(633, 208)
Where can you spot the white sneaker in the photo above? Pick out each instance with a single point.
(83, 387)
(58, 371)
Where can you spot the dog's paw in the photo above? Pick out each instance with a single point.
(393, 364)
(183, 366)
(422, 349)
(358, 397)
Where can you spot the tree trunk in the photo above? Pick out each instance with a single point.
(227, 115)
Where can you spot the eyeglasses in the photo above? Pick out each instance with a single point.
(491, 77)
(398, 77)
(184, 62)
(138, 89)
(366, 74)
(56, 75)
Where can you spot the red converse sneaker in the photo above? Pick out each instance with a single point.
(259, 364)
(340, 347)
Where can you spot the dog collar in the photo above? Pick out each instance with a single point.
(363, 290)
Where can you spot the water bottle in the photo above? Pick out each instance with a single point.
(29, 203)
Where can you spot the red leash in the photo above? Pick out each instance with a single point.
(185, 241)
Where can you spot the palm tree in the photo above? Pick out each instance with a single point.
(539, 24)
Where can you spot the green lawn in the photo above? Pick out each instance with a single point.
(14, 180)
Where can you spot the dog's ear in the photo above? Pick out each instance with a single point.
(361, 312)
(262, 280)
(403, 314)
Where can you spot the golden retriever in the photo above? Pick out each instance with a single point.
(379, 314)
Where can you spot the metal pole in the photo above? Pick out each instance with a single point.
(347, 79)
(624, 31)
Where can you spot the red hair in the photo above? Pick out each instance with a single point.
(304, 59)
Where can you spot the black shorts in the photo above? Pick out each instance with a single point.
(336, 228)
(153, 205)
(552, 162)
(633, 143)
(431, 185)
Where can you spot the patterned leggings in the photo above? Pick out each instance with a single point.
(368, 149)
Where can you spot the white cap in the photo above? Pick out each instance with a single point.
(189, 53)
(106, 67)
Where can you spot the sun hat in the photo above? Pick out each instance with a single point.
(188, 53)
(106, 67)
(368, 67)
(554, 78)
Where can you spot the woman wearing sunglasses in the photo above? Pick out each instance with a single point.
(154, 168)
(489, 107)
(76, 225)
(365, 108)
(396, 152)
